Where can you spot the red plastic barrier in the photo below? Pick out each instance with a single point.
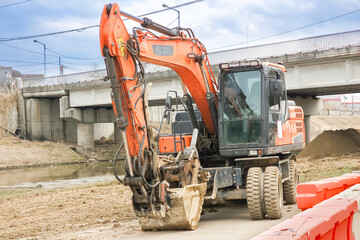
(312, 193)
(329, 220)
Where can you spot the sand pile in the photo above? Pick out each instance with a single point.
(333, 142)
(320, 124)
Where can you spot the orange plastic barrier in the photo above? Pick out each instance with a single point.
(329, 220)
(312, 193)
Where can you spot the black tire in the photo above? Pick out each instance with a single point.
(290, 185)
(273, 193)
(254, 193)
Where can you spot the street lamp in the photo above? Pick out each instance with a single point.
(44, 56)
(166, 6)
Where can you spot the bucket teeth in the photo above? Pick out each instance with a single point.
(183, 211)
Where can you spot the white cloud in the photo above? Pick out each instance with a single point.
(215, 22)
(66, 22)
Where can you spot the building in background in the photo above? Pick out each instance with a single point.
(11, 79)
(344, 104)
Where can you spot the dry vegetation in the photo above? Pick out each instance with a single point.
(8, 105)
(315, 168)
(17, 153)
(330, 154)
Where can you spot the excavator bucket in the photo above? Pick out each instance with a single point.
(185, 205)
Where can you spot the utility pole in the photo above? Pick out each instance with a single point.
(44, 55)
(60, 66)
(166, 6)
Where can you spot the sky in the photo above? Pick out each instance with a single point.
(216, 23)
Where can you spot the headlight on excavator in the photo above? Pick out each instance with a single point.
(254, 63)
(224, 65)
(253, 152)
(245, 63)
(191, 55)
(250, 63)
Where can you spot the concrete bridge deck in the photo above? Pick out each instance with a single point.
(315, 66)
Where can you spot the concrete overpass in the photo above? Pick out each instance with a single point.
(315, 66)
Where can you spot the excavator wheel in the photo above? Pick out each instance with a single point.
(290, 185)
(184, 209)
(273, 193)
(254, 193)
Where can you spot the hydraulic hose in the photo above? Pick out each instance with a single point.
(140, 167)
(114, 164)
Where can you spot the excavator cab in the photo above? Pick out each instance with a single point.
(253, 108)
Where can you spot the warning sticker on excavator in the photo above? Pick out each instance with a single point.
(122, 47)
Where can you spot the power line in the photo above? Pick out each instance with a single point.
(46, 34)
(65, 56)
(38, 70)
(19, 61)
(12, 4)
(58, 54)
(75, 68)
(34, 64)
(88, 27)
(172, 22)
(20, 48)
(82, 63)
(288, 31)
(166, 9)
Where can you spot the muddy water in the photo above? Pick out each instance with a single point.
(58, 176)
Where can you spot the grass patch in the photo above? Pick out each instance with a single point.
(314, 174)
(48, 146)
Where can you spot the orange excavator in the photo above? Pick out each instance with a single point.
(238, 143)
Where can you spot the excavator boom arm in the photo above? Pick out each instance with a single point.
(167, 192)
(185, 55)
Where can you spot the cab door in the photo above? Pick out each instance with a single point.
(279, 126)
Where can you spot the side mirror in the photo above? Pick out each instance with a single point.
(168, 102)
(168, 106)
(167, 116)
(276, 87)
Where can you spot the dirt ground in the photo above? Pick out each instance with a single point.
(89, 211)
(46, 214)
(319, 167)
(15, 153)
(332, 153)
(104, 211)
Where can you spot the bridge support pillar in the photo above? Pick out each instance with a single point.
(307, 120)
(312, 107)
(85, 134)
